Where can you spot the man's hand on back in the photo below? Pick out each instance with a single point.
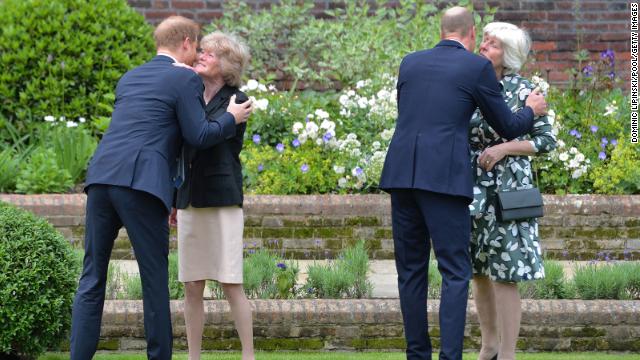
(241, 111)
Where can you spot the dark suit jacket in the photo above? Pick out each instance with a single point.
(157, 104)
(438, 91)
(213, 176)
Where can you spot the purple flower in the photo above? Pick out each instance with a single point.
(614, 142)
(256, 139)
(306, 119)
(612, 75)
(604, 140)
(603, 145)
(602, 155)
(327, 137)
(594, 129)
(573, 132)
(295, 143)
(608, 55)
(282, 266)
(251, 251)
(280, 147)
(358, 171)
(587, 70)
(578, 135)
(317, 242)
(304, 168)
(260, 168)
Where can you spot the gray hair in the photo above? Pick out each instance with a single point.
(516, 44)
(232, 53)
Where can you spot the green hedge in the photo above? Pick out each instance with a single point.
(64, 57)
(38, 277)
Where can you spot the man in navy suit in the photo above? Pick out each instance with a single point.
(129, 181)
(428, 174)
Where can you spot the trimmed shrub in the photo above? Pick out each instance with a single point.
(38, 274)
(64, 57)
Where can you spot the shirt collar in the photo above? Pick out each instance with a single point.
(169, 56)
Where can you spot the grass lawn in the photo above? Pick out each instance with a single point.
(349, 356)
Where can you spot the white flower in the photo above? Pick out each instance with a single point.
(62, 118)
(564, 156)
(262, 104)
(338, 169)
(579, 157)
(561, 144)
(356, 152)
(362, 103)
(311, 127)
(573, 163)
(352, 136)
(351, 93)
(302, 137)
(272, 88)
(81, 119)
(262, 88)
(344, 100)
(252, 84)
(376, 145)
(318, 142)
(576, 173)
(71, 124)
(362, 83)
(573, 150)
(297, 126)
(387, 134)
(611, 109)
(49, 118)
(321, 114)
(342, 182)
(328, 125)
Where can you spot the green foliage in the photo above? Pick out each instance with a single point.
(267, 276)
(352, 43)
(176, 288)
(607, 281)
(38, 274)
(621, 175)
(72, 146)
(345, 277)
(64, 56)
(435, 280)
(552, 286)
(42, 174)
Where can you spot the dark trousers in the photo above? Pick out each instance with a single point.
(145, 218)
(418, 215)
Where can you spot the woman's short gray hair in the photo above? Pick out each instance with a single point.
(516, 44)
(232, 53)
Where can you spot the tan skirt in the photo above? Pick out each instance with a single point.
(210, 244)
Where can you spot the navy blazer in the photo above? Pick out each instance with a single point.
(438, 91)
(157, 105)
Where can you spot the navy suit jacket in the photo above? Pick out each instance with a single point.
(438, 91)
(157, 105)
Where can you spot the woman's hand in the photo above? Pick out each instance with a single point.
(490, 156)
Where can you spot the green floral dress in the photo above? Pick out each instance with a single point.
(505, 251)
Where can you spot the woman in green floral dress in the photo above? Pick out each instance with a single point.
(503, 253)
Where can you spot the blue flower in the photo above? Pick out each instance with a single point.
(614, 142)
(310, 290)
(358, 171)
(573, 132)
(295, 143)
(306, 119)
(282, 266)
(304, 168)
(280, 147)
(260, 168)
(604, 140)
(612, 75)
(578, 135)
(594, 129)
(256, 139)
(587, 70)
(608, 55)
(327, 137)
(602, 155)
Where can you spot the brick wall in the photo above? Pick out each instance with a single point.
(555, 26)
(329, 325)
(582, 227)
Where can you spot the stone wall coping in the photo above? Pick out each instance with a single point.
(56, 205)
(385, 311)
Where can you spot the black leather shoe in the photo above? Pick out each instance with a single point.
(495, 357)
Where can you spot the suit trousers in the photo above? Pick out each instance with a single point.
(418, 215)
(146, 219)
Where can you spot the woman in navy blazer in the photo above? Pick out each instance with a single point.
(210, 217)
